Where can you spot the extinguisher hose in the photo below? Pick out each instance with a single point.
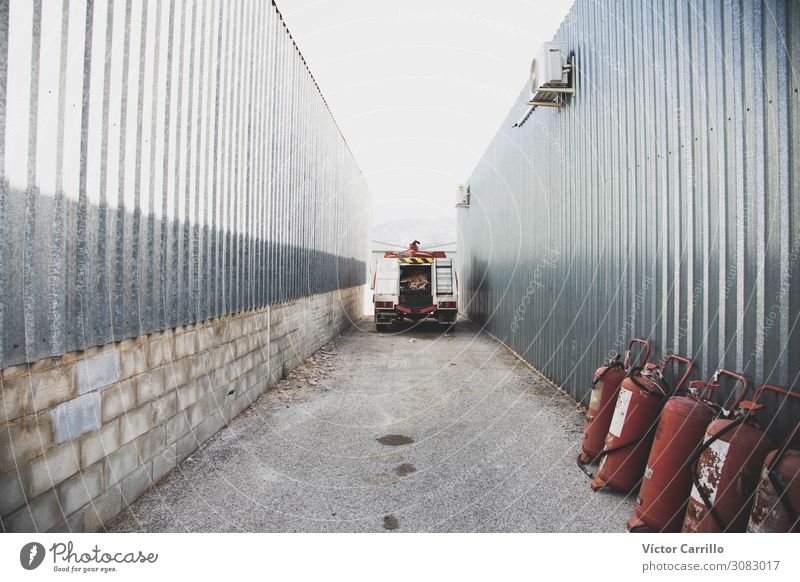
(634, 442)
(608, 368)
(611, 365)
(605, 452)
(696, 478)
(782, 490)
(632, 375)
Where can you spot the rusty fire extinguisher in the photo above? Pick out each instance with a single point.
(725, 470)
(605, 387)
(776, 508)
(666, 485)
(641, 396)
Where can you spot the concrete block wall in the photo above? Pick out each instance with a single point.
(85, 434)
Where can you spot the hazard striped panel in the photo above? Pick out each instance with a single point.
(415, 260)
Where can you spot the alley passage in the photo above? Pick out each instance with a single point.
(411, 431)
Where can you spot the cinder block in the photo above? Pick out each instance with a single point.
(161, 350)
(188, 395)
(244, 364)
(73, 524)
(48, 388)
(76, 417)
(81, 488)
(197, 367)
(205, 338)
(54, 466)
(13, 485)
(234, 329)
(96, 372)
(209, 427)
(176, 374)
(39, 515)
(24, 439)
(176, 427)
(165, 408)
(102, 509)
(186, 445)
(185, 345)
(242, 346)
(202, 410)
(150, 385)
(13, 398)
(151, 444)
(118, 399)
(120, 463)
(100, 444)
(133, 360)
(164, 462)
(135, 422)
(134, 484)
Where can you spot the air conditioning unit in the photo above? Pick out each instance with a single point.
(462, 196)
(552, 78)
(549, 71)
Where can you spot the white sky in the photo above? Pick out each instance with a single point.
(419, 88)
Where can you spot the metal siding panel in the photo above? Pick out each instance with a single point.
(181, 165)
(670, 205)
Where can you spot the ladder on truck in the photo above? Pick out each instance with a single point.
(444, 276)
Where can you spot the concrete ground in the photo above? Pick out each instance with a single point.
(409, 431)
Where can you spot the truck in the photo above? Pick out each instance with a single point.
(414, 284)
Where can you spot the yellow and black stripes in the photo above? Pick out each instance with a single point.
(415, 260)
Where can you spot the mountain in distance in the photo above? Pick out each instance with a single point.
(432, 233)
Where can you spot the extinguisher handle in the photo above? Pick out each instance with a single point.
(674, 357)
(645, 356)
(754, 405)
(742, 380)
(697, 387)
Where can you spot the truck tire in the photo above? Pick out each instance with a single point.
(383, 327)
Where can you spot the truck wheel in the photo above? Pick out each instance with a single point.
(383, 327)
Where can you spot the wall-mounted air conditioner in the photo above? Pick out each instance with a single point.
(548, 71)
(552, 78)
(462, 196)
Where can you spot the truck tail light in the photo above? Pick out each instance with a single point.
(447, 305)
(384, 304)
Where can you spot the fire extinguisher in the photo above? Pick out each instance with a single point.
(661, 503)
(605, 388)
(641, 396)
(776, 508)
(725, 470)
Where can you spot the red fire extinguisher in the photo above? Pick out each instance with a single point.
(661, 503)
(641, 396)
(725, 470)
(605, 387)
(776, 508)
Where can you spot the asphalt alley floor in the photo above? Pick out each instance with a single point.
(445, 433)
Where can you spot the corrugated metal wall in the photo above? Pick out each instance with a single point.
(163, 162)
(661, 202)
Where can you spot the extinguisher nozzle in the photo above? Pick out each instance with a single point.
(597, 484)
(635, 524)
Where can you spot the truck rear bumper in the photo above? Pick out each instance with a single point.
(447, 316)
(387, 316)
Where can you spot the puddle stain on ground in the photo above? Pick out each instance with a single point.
(395, 440)
(390, 522)
(405, 469)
